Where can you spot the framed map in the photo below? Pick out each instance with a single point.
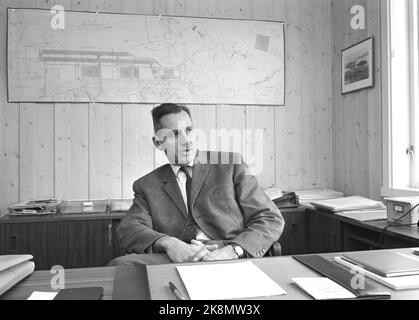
(123, 58)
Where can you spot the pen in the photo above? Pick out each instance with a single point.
(176, 291)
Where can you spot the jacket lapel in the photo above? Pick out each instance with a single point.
(172, 189)
(200, 171)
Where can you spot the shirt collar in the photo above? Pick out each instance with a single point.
(176, 167)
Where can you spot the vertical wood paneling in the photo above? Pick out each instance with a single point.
(233, 120)
(36, 151)
(337, 122)
(63, 152)
(323, 93)
(176, 7)
(160, 7)
(144, 6)
(71, 151)
(281, 128)
(105, 151)
(205, 121)
(357, 115)
(96, 151)
(293, 92)
(207, 8)
(44, 150)
(129, 6)
(137, 148)
(9, 126)
(79, 151)
(260, 143)
(374, 110)
(27, 151)
(308, 107)
(79, 5)
(96, 5)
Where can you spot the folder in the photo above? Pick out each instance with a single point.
(385, 264)
(342, 276)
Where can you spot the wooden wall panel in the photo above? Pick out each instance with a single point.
(137, 147)
(356, 115)
(79, 151)
(323, 93)
(293, 95)
(9, 126)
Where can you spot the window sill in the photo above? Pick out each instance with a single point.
(406, 192)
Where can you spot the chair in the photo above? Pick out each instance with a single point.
(274, 250)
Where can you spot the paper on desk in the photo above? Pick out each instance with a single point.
(227, 281)
(38, 295)
(321, 288)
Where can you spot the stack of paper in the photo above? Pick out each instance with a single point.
(227, 281)
(14, 268)
(349, 204)
(364, 215)
(307, 196)
(321, 288)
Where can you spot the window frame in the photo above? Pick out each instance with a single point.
(388, 187)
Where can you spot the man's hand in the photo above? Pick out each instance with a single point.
(179, 251)
(226, 253)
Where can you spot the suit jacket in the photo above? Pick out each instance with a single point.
(227, 204)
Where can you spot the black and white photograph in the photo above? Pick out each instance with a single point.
(358, 66)
(194, 155)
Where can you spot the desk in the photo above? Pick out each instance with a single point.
(280, 269)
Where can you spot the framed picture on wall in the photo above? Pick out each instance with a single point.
(358, 66)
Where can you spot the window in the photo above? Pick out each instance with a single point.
(400, 97)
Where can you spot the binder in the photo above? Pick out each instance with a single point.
(344, 277)
(385, 264)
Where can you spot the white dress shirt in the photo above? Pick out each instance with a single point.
(181, 181)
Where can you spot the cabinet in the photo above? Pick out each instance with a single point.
(71, 243)
(324, 233)
(293, 239)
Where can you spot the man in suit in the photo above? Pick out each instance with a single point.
(202, 206)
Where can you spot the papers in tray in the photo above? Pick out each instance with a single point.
(395, 283)
(35, 207)
(273, 193)
(238, 280)
(322, 288)
(348, 204)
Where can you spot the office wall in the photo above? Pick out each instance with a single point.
(356, 116)
(75, 151)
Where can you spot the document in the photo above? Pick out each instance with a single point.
(348, 204)
(38, 295)
(322, 288)
(227, 281)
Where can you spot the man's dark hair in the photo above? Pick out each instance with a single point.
(164, 109)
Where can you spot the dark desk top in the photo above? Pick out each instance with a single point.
(74, 211)
(280, 269)
(401, 232)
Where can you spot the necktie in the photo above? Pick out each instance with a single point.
(188, 185)
(190, 230)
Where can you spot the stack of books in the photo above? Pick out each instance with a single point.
(13, 269)
(355, 207)
(396, 270)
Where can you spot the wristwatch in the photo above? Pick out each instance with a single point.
(238, 250)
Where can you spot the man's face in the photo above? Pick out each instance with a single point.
(177, 138)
